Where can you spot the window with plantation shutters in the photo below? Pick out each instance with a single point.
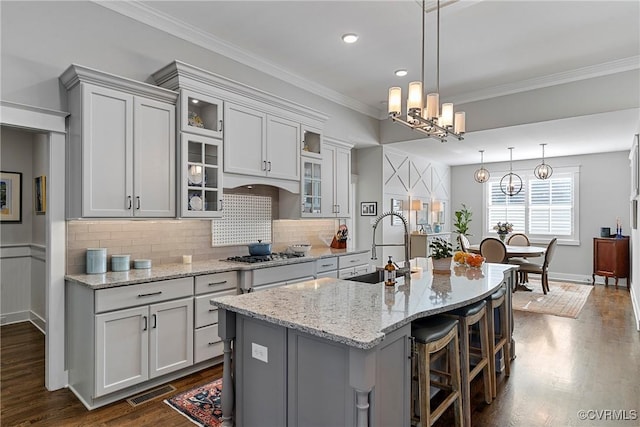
(542, 210)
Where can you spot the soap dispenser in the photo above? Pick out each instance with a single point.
(390, 273)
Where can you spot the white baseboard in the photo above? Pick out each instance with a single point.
(636, 309)
(38, 322)
(15, 317)
(564, 277)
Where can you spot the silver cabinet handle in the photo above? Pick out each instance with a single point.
(264, 165)
(212, 343)
(269, 166)
(138, 202)
(145, 323)
(221, 126)
(212, 309)
(130, 203)
(221, 204)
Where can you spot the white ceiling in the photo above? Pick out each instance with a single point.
(488, 48)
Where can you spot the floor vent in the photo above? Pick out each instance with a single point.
(151, 394)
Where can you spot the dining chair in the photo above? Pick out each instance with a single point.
(519, 239)
(542, 269)
(463, 242)
(493, 250)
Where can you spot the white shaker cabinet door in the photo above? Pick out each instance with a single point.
(155, 159)
(122, 347)
(107, 150)
(283, 149)
(171, 336)
(244, 140)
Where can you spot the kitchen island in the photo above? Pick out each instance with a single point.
(334, 352)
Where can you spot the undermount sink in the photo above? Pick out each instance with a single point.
(373, 277)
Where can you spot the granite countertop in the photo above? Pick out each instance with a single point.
(197, 268)
(360, 314)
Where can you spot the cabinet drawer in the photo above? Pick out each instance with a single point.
(216, 282)
(347, 261)
(145, 293)
(207, 344)
(206, 314)
(332, 273)
(282, 273)
(326, 264)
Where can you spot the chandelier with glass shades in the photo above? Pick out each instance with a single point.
(427, 117)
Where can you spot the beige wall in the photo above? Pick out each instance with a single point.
(165, 241)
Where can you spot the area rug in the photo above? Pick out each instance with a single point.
(564, 299)
(201, 404)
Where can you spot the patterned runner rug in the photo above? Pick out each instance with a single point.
(564, 299)
(201, 405)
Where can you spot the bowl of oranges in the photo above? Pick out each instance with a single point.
(468, 259)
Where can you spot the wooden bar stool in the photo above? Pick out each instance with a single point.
(496, 305)
(467, 317)
(433, 337)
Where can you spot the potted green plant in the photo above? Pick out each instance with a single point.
(462, 220)
(441, 255)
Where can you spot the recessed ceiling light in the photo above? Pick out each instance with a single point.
(400, 73)
(350, 38)
(194, 101)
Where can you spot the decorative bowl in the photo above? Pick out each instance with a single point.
(300, 249)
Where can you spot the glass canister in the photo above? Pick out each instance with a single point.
(96, 260)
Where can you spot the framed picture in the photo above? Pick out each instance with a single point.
(368, 208)
(40, 194)
(11, 196)
(396, 206)
(422, 216)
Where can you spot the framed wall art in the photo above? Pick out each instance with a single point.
(11, 196)
(40, 194)
(396, 206)
(368, 208)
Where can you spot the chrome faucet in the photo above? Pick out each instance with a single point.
(406, 269)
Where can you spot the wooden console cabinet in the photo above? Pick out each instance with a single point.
(611, 258)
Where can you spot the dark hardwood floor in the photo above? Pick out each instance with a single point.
(563, 366)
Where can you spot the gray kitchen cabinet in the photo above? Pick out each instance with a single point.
(311, 188)
(353, 265)
(327, 267)
(125, 339)
(269, 277)
(336, 183)
(121, 146)
(201, 114)
(259, 144)
(206, 342)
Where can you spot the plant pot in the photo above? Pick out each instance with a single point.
(442, 265)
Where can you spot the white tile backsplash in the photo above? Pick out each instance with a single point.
(247, 219)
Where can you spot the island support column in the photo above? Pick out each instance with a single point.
(227, 331)
(362, 375)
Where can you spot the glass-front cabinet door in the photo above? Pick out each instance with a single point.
(311, 187)
(201, 179)
(200, 114)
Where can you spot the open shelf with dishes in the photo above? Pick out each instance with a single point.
(201, 179)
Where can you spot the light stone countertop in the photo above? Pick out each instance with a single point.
(360, 314)
(174, 271)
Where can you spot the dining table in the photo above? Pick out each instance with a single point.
(517, 252)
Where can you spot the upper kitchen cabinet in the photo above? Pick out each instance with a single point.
(201, 176)
(259, 144)
(263, 135)
(200, 114)
(121, 153)
(336, 181)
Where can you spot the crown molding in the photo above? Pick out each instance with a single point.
(590, 72)
(152, 17)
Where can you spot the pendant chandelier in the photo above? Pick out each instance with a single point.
(481, 175)
(422, 117)
(511, 183)
(543, 171)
